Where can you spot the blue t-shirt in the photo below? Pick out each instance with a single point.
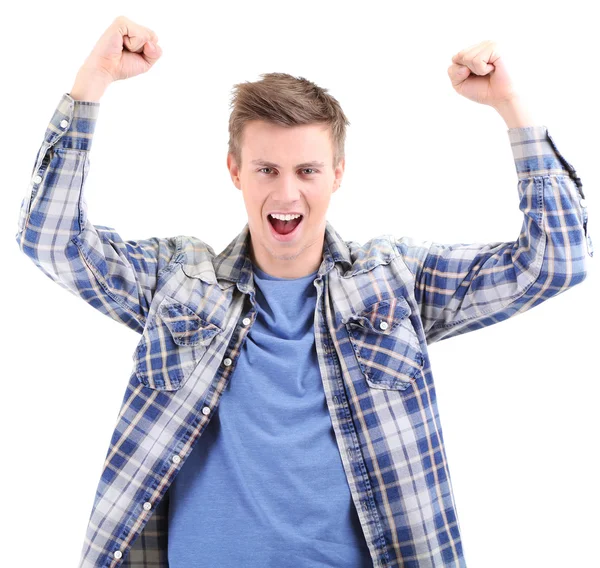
(264, 485)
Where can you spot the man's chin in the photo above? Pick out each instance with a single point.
(290, 251)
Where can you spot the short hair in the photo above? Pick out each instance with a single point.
(285, 100)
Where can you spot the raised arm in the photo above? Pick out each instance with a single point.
(462, 287)
(115, 276)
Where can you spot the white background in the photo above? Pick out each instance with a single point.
(518, 400)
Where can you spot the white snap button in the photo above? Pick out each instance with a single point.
(64, 123)
(37, 179)
(206, 411)
(582, 202)
(147, 506)
(383, 325)
(246, 321)
(176, 459)
(118, 554)
(227, 361)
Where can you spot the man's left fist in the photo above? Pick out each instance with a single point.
(479, 74)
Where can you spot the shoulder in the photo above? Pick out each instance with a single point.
(193, 250)
(196, 257)
(363, 256)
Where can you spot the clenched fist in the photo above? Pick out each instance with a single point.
(124, 50)
(480, 74)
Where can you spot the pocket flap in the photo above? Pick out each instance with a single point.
(383, 316)
(172, 345)
(185, 325)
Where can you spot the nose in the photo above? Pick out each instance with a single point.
(287, 191)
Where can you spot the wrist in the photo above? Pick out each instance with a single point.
(514, 113)
(89, 85)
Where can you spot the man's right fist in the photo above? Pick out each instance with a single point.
(125, 50)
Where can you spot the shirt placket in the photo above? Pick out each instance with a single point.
(345, 433)
(230, 357)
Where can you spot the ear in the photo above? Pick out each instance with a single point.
(234, 171)
(339, 173)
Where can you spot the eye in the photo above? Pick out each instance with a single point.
(311, 170)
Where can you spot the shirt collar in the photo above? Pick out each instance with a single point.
(234, 265)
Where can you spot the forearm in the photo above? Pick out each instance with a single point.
(515, 114)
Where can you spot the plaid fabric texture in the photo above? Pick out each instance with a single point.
(380, 305)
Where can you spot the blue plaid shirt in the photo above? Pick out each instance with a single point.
(379, 306)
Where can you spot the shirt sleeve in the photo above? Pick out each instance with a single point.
(466, 286)
(115, 276)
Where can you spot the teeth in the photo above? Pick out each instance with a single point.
(284, 217)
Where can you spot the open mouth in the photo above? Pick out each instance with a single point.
(284, 228)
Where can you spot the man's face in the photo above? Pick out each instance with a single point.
(286, 170)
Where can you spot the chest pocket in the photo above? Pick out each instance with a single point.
(172, 344)
(386, 344)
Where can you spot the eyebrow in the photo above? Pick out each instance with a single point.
(261, 162)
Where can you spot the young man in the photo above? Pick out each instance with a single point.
(282, 409)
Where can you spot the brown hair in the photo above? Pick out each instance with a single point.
(283, 99)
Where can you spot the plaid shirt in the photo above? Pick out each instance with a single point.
(379, 306)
